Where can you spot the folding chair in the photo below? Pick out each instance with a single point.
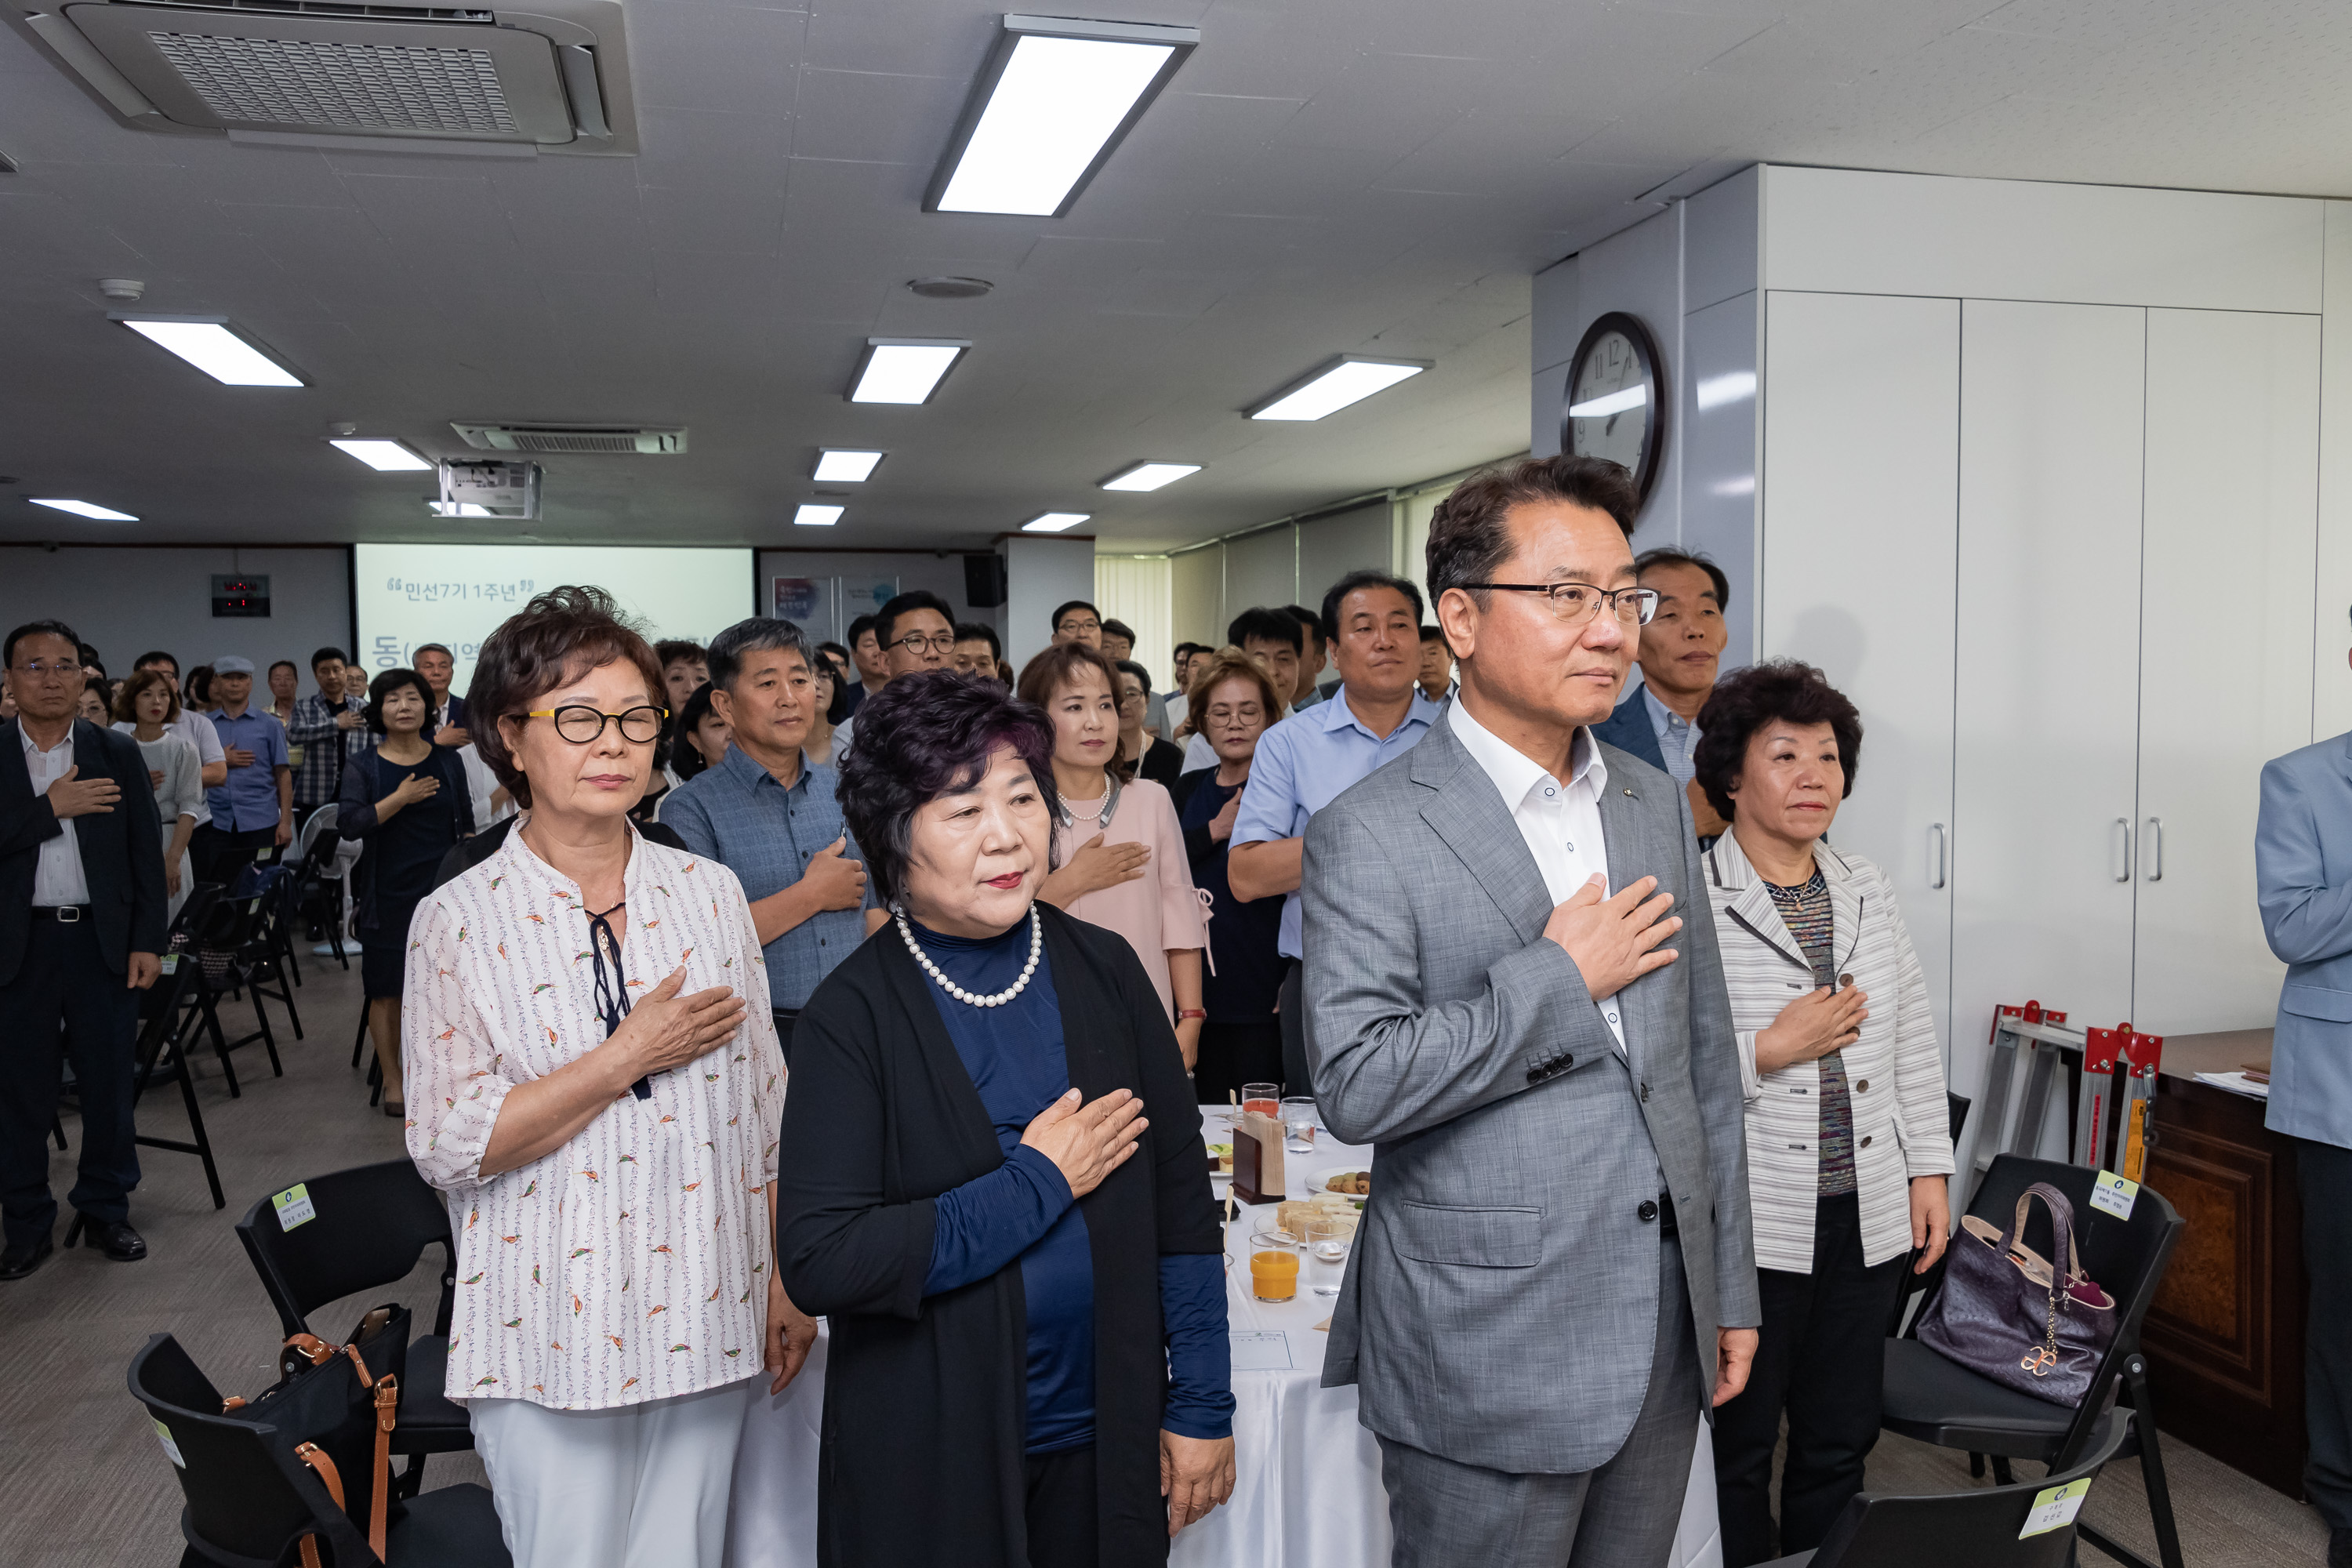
(1933, 1400)
(267, 955)
(1913, 1289)
(1976, 1528)
(249, 1506)
(220, 959)
(369, 1227)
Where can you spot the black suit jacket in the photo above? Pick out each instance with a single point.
(121, 849)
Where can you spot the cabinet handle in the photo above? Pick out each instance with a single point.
(2123, 840)
(2152, 849)
(1937, 843)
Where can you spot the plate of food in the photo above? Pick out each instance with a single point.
(1353, 1183)
(1221, 1159)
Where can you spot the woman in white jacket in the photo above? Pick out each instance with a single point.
(1848, 1147)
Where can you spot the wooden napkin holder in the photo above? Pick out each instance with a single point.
(1258, 1176)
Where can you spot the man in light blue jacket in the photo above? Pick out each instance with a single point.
(2303, 863)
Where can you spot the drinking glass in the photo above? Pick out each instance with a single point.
(1265, 1097)
(1327, 1241)
(1274, 1265)
(1298, 1120)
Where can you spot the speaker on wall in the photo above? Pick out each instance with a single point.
(983, 581)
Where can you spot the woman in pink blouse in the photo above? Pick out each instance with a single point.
(1122, 854)
(594, 1082)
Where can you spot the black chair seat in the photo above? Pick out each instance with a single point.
(1937, 1401)
(452, 1527)
(429, 1423)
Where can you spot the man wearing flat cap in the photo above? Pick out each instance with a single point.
(253, 808)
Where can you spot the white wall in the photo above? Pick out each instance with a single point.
(1293, 563)
(127, 600)
(853, 583)
(1041, 573)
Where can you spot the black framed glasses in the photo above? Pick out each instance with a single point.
(1578, 603)
(582, 725)
(937, 642)
(1073, 626)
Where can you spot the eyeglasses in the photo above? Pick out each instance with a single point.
(916, 642)
(582, 724)
(1578, 603)
(64, 670)
(1073, 626)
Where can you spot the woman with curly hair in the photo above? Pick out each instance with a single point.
(1848, 1142)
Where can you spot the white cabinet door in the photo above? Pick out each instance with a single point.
(2047, 707)
(1860, 513)
(2225, 674)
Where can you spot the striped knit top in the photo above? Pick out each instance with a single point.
(1806, 913)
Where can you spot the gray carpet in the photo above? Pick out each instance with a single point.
(83, 1482)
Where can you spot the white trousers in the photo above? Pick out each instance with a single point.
(642, 1486)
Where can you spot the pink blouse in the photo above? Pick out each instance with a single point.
(1157, 911)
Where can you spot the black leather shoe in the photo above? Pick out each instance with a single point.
(18, 1261)
(115, 1239)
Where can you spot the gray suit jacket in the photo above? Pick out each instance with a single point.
(2303, 874)
(1502, 1300)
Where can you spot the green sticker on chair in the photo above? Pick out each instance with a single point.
(2055, 1508)
(293, 1206)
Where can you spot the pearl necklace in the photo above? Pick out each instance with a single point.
(1036, 948)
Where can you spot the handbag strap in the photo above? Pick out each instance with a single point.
(385, 1391)
(2062, 1232)
(316, 1457)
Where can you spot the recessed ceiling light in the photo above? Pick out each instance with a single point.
(904, 370)
(813, 516)
(384, 457)
(209, 344)
(1349, 379)
(1149, 476)
(1054, 521)
(841, 465)
(1053, 100)
(83, 509)
(949, 287)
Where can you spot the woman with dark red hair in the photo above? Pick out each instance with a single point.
(998, 1191)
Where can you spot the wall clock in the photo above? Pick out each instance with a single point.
(1615, 405)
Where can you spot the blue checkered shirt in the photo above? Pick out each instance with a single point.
(320, 779)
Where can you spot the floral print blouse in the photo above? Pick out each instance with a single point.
(633, 1263)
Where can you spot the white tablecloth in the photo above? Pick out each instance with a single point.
(1309, 1493)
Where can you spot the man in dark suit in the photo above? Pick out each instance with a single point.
(1680, 651)
(81, 934)
(438, 666)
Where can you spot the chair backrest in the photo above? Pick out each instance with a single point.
(1973, 1529)
(242, 1500)
(369, 1226)
(2127, 1257)
(195, 911)
(1955, 1107)
(159, 1006)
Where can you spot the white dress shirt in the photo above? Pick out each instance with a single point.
(58, 878)
(1561, 823)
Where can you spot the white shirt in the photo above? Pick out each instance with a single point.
(1561, 823)
(632, 1262)
(1173, 707)
(198, 731)
(58, 878)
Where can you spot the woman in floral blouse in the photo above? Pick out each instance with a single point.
(594, 1082)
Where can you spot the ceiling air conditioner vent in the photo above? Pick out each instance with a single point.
(333, 73)
(660, 441)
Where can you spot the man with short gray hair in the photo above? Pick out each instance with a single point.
(767, 814)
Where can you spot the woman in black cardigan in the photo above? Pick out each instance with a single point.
(1025, 1279)
(406, 801)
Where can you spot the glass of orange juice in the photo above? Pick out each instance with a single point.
(1274, 1265)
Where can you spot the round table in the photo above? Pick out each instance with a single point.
(1308, 1492)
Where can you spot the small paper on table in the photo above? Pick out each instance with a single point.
(2236, 1083)
(1261, 1349)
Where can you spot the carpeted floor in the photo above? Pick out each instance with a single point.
(83, 1482)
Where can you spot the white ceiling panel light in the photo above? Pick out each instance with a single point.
(1350, 378)
(1053, 103)
(812, 515)
(1054, 521)
(384, 457)
(1149, 476)
(904, 370)
(844, 465)
(83, 508)
(212, 346)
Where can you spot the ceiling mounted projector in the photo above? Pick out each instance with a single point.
(327, 73)
(488, 490)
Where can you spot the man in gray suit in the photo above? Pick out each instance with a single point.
(1555, 1270)
(2303, 848)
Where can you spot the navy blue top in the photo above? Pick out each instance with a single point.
(1022, 1209)
(1243, 938)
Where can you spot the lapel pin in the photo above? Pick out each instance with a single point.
(1630, 795)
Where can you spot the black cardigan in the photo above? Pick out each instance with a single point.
(356, 821)
(926, 1400)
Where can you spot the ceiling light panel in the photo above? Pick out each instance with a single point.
(384, 457)
(1349, 379)
(1149, 476)
(844, 465)
(210, 345)
(1053, 103)
(1054, 521)
(904, 370)
(810, 515)
(83, 509)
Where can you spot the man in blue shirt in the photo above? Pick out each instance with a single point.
(767, 814)
(253, 809)
(1372, 623)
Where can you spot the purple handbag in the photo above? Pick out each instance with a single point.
(2004, 1315)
